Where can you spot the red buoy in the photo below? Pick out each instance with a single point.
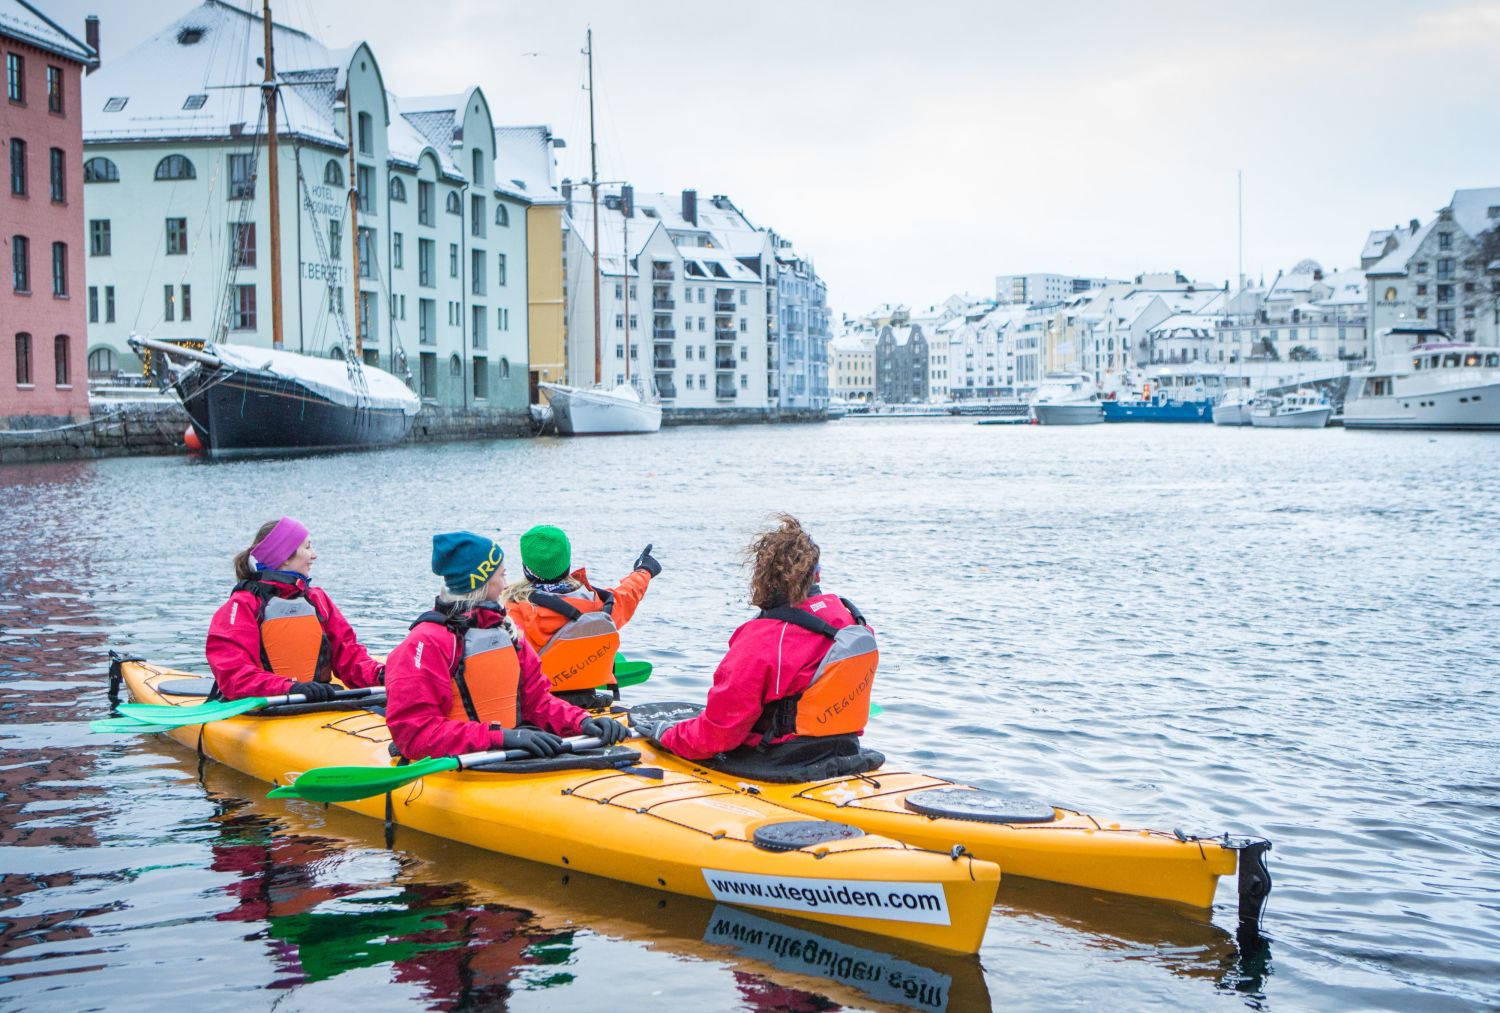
(190, 439)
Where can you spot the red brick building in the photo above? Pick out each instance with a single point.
(43, 375)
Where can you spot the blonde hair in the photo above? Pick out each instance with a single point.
(521, 589)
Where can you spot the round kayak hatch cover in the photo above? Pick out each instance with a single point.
(186, 687)
(792, 835)
(979, 806)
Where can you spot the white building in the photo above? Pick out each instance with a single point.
(1436, 274)
(179, 217)
(1043, 288)
(676, 301)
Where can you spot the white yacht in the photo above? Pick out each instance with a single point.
(600, 411)
(1304, 408)
(1436, 384)
(1067, 399)
(1233, 409)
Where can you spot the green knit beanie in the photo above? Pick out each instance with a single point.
(545, 553)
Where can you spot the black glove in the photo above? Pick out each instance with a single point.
(315, 692)
(606, 730)
(651, 730)
(646, 561)
(380, 676)
(534, 741)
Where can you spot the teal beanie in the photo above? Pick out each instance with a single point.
(465, 560)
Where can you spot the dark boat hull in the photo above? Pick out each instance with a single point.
(238, 414)
(1158, 411)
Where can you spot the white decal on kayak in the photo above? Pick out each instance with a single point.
(731, 808)
(889, 900)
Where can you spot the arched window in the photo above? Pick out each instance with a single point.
(102, 362)
(101, 170)
(398, 190)
(175, 167)
(478, 177)
(502, 215)
(454, 207)
(336, 352)
(333, 173)
(504, 368)
(455, 366)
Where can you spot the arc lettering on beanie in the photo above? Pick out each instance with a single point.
(464, 560)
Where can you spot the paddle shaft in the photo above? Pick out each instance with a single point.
(343, 694)
(477, 761)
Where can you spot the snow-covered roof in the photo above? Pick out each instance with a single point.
(23, 22)
(524, 164)
(1291, 284)
(1471, 209)
(208, 56)
(1347, 288)
(406, 143)
(1197, 324)
(901, 335)
(1395, 261)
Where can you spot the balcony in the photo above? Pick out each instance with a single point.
(723, 305)
(664, 362)
(663, 303)
(724, 334)
(725, 392)
(662, 272)
(664, 334)
(664, 386)
(723, 362)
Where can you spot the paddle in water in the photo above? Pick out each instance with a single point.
(346, 784)
(124, 726)
(168, 716)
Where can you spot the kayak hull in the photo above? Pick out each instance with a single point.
(1072, 848)
(676, 831)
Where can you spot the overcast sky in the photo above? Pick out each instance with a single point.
(919, 149)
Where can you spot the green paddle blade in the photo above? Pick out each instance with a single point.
(124, 726)
(631, 673)
(345, 784)
(176, 717)
(876, 710)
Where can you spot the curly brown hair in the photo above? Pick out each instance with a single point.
(784, 561)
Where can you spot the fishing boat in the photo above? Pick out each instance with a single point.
(599, 410)
(606, 814)
(244, 399)
(1431, 382)
(1170, 394)
(1304, 408)
(1233, 409)
(1067, 399)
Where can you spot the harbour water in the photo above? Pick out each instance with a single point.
(1286, 633)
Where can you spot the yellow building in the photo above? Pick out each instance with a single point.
(545, 294)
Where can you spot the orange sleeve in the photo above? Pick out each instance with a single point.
(628, 595)
(524, 616)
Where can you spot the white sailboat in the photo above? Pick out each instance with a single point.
(599, 410)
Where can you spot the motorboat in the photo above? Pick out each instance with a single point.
(1233, 409)
(601, 411)
(1304, 408)
(1067, 399)
(1436, 384)
(1170, 393)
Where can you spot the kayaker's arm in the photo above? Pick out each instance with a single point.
(628, 595)
(351, 663)
(233, 651)
(734, 702)
(538, 704)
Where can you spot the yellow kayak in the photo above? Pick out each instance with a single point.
(1025, 837)
(668, 829)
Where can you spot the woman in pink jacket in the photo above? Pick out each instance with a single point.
(464, 680)
(792, 694)
(278, 633)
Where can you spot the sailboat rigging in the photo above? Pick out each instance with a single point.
(601, 410)
(246, 400)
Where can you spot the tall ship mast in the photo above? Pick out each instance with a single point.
(244, 399)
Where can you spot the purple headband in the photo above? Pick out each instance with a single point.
(281, 544)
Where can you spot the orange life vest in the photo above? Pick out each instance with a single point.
(487, 673)
(581, 654)
(293, 643)
(837, 701)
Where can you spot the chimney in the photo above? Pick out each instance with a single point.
(91, 36)
(567, 191)
(1415, 225)
(1317, 274)
(627, 200)
(690, 206)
